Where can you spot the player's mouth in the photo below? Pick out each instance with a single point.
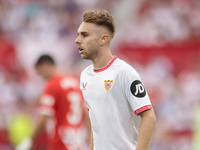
(80, 50)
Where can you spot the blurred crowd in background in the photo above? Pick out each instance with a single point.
(159, 38)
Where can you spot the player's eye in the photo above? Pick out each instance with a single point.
(85, 35)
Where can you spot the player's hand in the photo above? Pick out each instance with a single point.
(25, 144)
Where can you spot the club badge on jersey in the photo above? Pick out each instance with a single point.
(108, 84)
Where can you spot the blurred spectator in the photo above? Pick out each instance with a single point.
(8, 58)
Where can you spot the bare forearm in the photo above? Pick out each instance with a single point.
(39, 128)
(27, 143)
(146, 130)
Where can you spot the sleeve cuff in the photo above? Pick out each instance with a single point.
(141, 109)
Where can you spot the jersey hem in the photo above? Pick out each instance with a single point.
(143, 109)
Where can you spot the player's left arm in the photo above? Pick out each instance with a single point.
(27, 143)
(40, 127)
(148, 120)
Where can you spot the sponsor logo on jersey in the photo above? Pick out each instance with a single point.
(108, 84)
(138, 89)
(84, 85)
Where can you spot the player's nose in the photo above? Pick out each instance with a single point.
(77, 40)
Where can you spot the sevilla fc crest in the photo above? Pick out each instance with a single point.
(108, 84)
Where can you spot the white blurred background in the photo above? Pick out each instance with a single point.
(159, 38)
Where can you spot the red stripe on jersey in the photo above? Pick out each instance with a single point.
(143, 109)
(106, 67)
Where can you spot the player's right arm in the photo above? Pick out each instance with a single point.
(27, 143)
(91, 140)
(40, 127)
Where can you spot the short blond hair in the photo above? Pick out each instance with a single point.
(101, 18)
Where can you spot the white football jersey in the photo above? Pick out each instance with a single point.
(114, 96)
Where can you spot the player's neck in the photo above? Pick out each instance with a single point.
(55, 72)
(102, 60)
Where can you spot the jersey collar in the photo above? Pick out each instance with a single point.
(106, 67)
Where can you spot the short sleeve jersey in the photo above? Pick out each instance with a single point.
(62, 101)
(114, 95)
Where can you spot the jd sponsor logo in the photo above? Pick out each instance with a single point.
(138, 89)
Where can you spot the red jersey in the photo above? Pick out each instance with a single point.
(63, 102)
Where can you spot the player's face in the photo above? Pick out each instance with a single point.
(42, 70)
(88, 40)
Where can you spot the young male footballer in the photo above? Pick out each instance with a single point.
(121, 114)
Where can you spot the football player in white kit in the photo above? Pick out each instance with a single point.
(120, 110)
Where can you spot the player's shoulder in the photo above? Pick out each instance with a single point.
(53, 81)
(69, 81)
(88, 69)
(63, 80)
(123, 67)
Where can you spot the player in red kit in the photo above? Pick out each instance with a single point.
(61, 108)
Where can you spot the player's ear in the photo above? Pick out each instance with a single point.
(104, 39)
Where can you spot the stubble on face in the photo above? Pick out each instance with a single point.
(89, 43)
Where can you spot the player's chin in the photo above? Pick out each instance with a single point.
(85, 56)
